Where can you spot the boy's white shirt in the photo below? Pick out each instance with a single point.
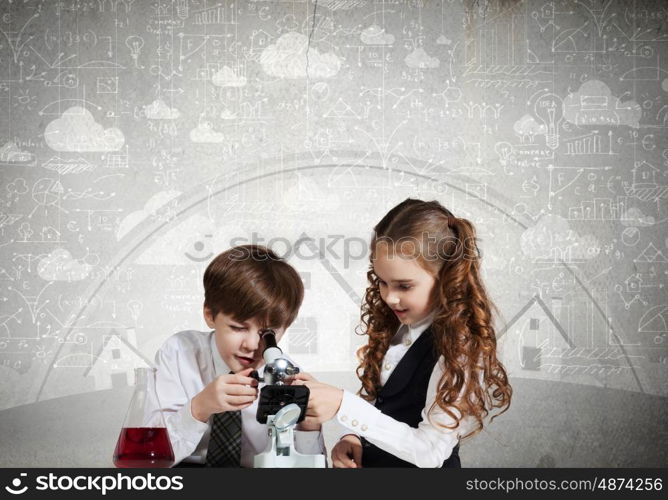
(428, 445)
(186, 363)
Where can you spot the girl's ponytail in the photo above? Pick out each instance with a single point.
(465, 314)
(465, 246)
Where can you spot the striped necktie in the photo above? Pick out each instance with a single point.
(225, 440)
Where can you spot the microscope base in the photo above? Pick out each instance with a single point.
(270, 461)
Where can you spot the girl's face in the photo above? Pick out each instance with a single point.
(405, 286)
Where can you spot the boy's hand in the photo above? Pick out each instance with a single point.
(226, 393)
(347, 453)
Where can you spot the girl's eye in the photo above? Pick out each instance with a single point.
(405, 287)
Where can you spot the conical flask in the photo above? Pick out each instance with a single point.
(144, 441)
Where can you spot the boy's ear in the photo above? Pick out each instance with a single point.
(208, 317)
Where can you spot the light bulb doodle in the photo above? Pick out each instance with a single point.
(549, 110)
(506, 154)
(135, 308)
(135, 44)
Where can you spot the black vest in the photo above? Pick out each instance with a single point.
(403, 398)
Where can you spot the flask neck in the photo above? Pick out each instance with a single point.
(145, 409)
(145, 377)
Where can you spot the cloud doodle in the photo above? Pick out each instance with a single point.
(375, 35)
(527, 125)
(77, 130)
(634, 217)
(204, 133)
(287, 59)
(553, 239)
(594, 104)
(10, 153)
(154, 203)
(420, 59)
(226, 77)
(60, 266)
(159, 110)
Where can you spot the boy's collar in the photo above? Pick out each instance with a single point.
(219, 366)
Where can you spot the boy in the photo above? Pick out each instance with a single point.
(203, 379)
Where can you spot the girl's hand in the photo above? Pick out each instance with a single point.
(305, 425)
(323, 402)
(347, 453)
(306, 377)
(226, 393)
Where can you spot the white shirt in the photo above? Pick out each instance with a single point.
(425, 446)
(186, 363)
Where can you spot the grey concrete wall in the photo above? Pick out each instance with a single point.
(139, 139)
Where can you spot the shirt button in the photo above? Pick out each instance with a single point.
(408, 341)
(343, 418)
(388, 366)
(354, 423)
(364, 427)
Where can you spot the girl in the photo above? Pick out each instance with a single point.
(429, 371)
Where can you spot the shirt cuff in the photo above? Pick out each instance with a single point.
(309, 442)
(356, 415)
(340, 431)
(189, 427)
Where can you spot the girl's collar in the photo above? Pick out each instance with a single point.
(414, 331)
(424, 323)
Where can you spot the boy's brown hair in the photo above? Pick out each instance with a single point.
(251, 281)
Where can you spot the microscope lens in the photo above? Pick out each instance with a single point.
(269, 338)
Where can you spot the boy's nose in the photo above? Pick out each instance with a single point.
(252, 341)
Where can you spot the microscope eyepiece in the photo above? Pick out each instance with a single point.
(269, 337)
(278, 367)
(271, 350)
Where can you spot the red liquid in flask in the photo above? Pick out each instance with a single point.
(143, 447)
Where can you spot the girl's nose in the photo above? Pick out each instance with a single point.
(392, 299)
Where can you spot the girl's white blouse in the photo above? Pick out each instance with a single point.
(428, 445)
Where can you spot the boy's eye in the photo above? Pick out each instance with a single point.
(237, 328)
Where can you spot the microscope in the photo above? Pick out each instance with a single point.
(281, 407)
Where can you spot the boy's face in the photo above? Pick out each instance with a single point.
(238, 343)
